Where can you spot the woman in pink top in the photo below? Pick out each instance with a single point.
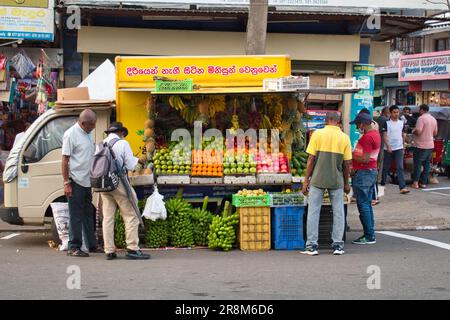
(424, 133)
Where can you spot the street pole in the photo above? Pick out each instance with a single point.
(257, 27)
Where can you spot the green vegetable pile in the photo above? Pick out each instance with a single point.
(156, 233)
(222, 233)
(180, 224)
(298, 163)
(201, 221)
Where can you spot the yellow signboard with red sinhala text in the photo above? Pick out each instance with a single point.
(209, 74)
(205, 71)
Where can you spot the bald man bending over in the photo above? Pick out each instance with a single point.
(77, 153)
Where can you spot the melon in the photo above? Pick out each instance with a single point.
(149, 132)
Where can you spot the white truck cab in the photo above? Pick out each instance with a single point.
(32, 175)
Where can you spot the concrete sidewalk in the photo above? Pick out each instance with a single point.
(416, 210)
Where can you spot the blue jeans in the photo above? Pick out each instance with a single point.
(397, 155)
(364, 183)
(422, 157)
(314, 207)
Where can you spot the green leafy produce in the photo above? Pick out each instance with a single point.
(156, 233)
(119, 231)
(222, 233)
(180, 224)
(201, 221)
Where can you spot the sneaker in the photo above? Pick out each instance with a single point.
(338, 250)
(310, 251)
(137, 255)
(111, 256)
(362, 240)
(77, 253)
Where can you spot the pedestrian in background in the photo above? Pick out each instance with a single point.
(382, 119)
(365, 174)
(425, 131)
(126, 161)
(77, 154)
(393, 137)
(328, 168)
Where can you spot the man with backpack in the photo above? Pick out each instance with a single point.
(78, 148)
(123, 158)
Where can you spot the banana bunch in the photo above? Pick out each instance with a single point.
(216, 104)
(189, 114)
(235, 122)
(222, 233)
(177, 103)
(180, 224)
(201, 220)
(156, 233)
(265, 123)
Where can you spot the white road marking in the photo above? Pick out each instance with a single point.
(434, 189)
(438, 244)
(12, 235)
(427, 228)
(441, 194)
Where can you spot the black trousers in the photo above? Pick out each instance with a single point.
(82, 218)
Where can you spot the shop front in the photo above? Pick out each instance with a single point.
(428, 76)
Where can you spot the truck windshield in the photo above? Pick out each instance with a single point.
(48, 138)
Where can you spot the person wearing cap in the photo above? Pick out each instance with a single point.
(327, 168)
(365, 174)
(119, 198)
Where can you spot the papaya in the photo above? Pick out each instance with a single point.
(149, 124)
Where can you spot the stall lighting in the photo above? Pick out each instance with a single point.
(18, 41)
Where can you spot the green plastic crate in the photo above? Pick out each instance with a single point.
(252, 201)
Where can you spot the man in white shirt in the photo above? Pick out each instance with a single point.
(393, 136)
(77, 154)
(119, 197)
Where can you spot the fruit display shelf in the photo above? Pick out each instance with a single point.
(142, 180)
(174, 179)
(268, 178)
(240, 180)
(207, 180)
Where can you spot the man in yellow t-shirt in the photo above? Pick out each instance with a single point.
(328, 168)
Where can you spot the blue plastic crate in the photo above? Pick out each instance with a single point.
(287, 228)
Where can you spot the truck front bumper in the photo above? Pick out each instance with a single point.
(11, 215)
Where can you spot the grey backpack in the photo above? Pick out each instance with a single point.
(105, 172)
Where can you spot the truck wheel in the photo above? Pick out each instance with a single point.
(55, 236)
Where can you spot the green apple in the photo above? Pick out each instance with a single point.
(253, 170)
(233, 170)
(240, 170)
(226, 171)
(247, 165)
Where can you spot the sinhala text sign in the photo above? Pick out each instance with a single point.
(426, 66)
(22, 21)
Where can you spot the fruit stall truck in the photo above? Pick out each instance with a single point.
(159, 98)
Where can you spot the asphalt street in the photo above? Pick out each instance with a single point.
(394, 268)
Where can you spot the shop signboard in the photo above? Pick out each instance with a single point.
(206, 71)
(425, 66)
(363, 98)
(315, 119)
(27, 20)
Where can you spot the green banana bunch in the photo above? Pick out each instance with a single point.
(180, 224)
(265, 123)
(156, 233)
(222, 232)
(201, 220)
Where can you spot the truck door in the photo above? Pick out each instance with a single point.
(39, 174)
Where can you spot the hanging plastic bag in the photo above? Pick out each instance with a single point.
(22, 63)
(154, 207)
(62, 218)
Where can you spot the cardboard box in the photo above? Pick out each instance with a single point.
(81, 93)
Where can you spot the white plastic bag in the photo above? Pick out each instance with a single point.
(154, 207)
(62, 218)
